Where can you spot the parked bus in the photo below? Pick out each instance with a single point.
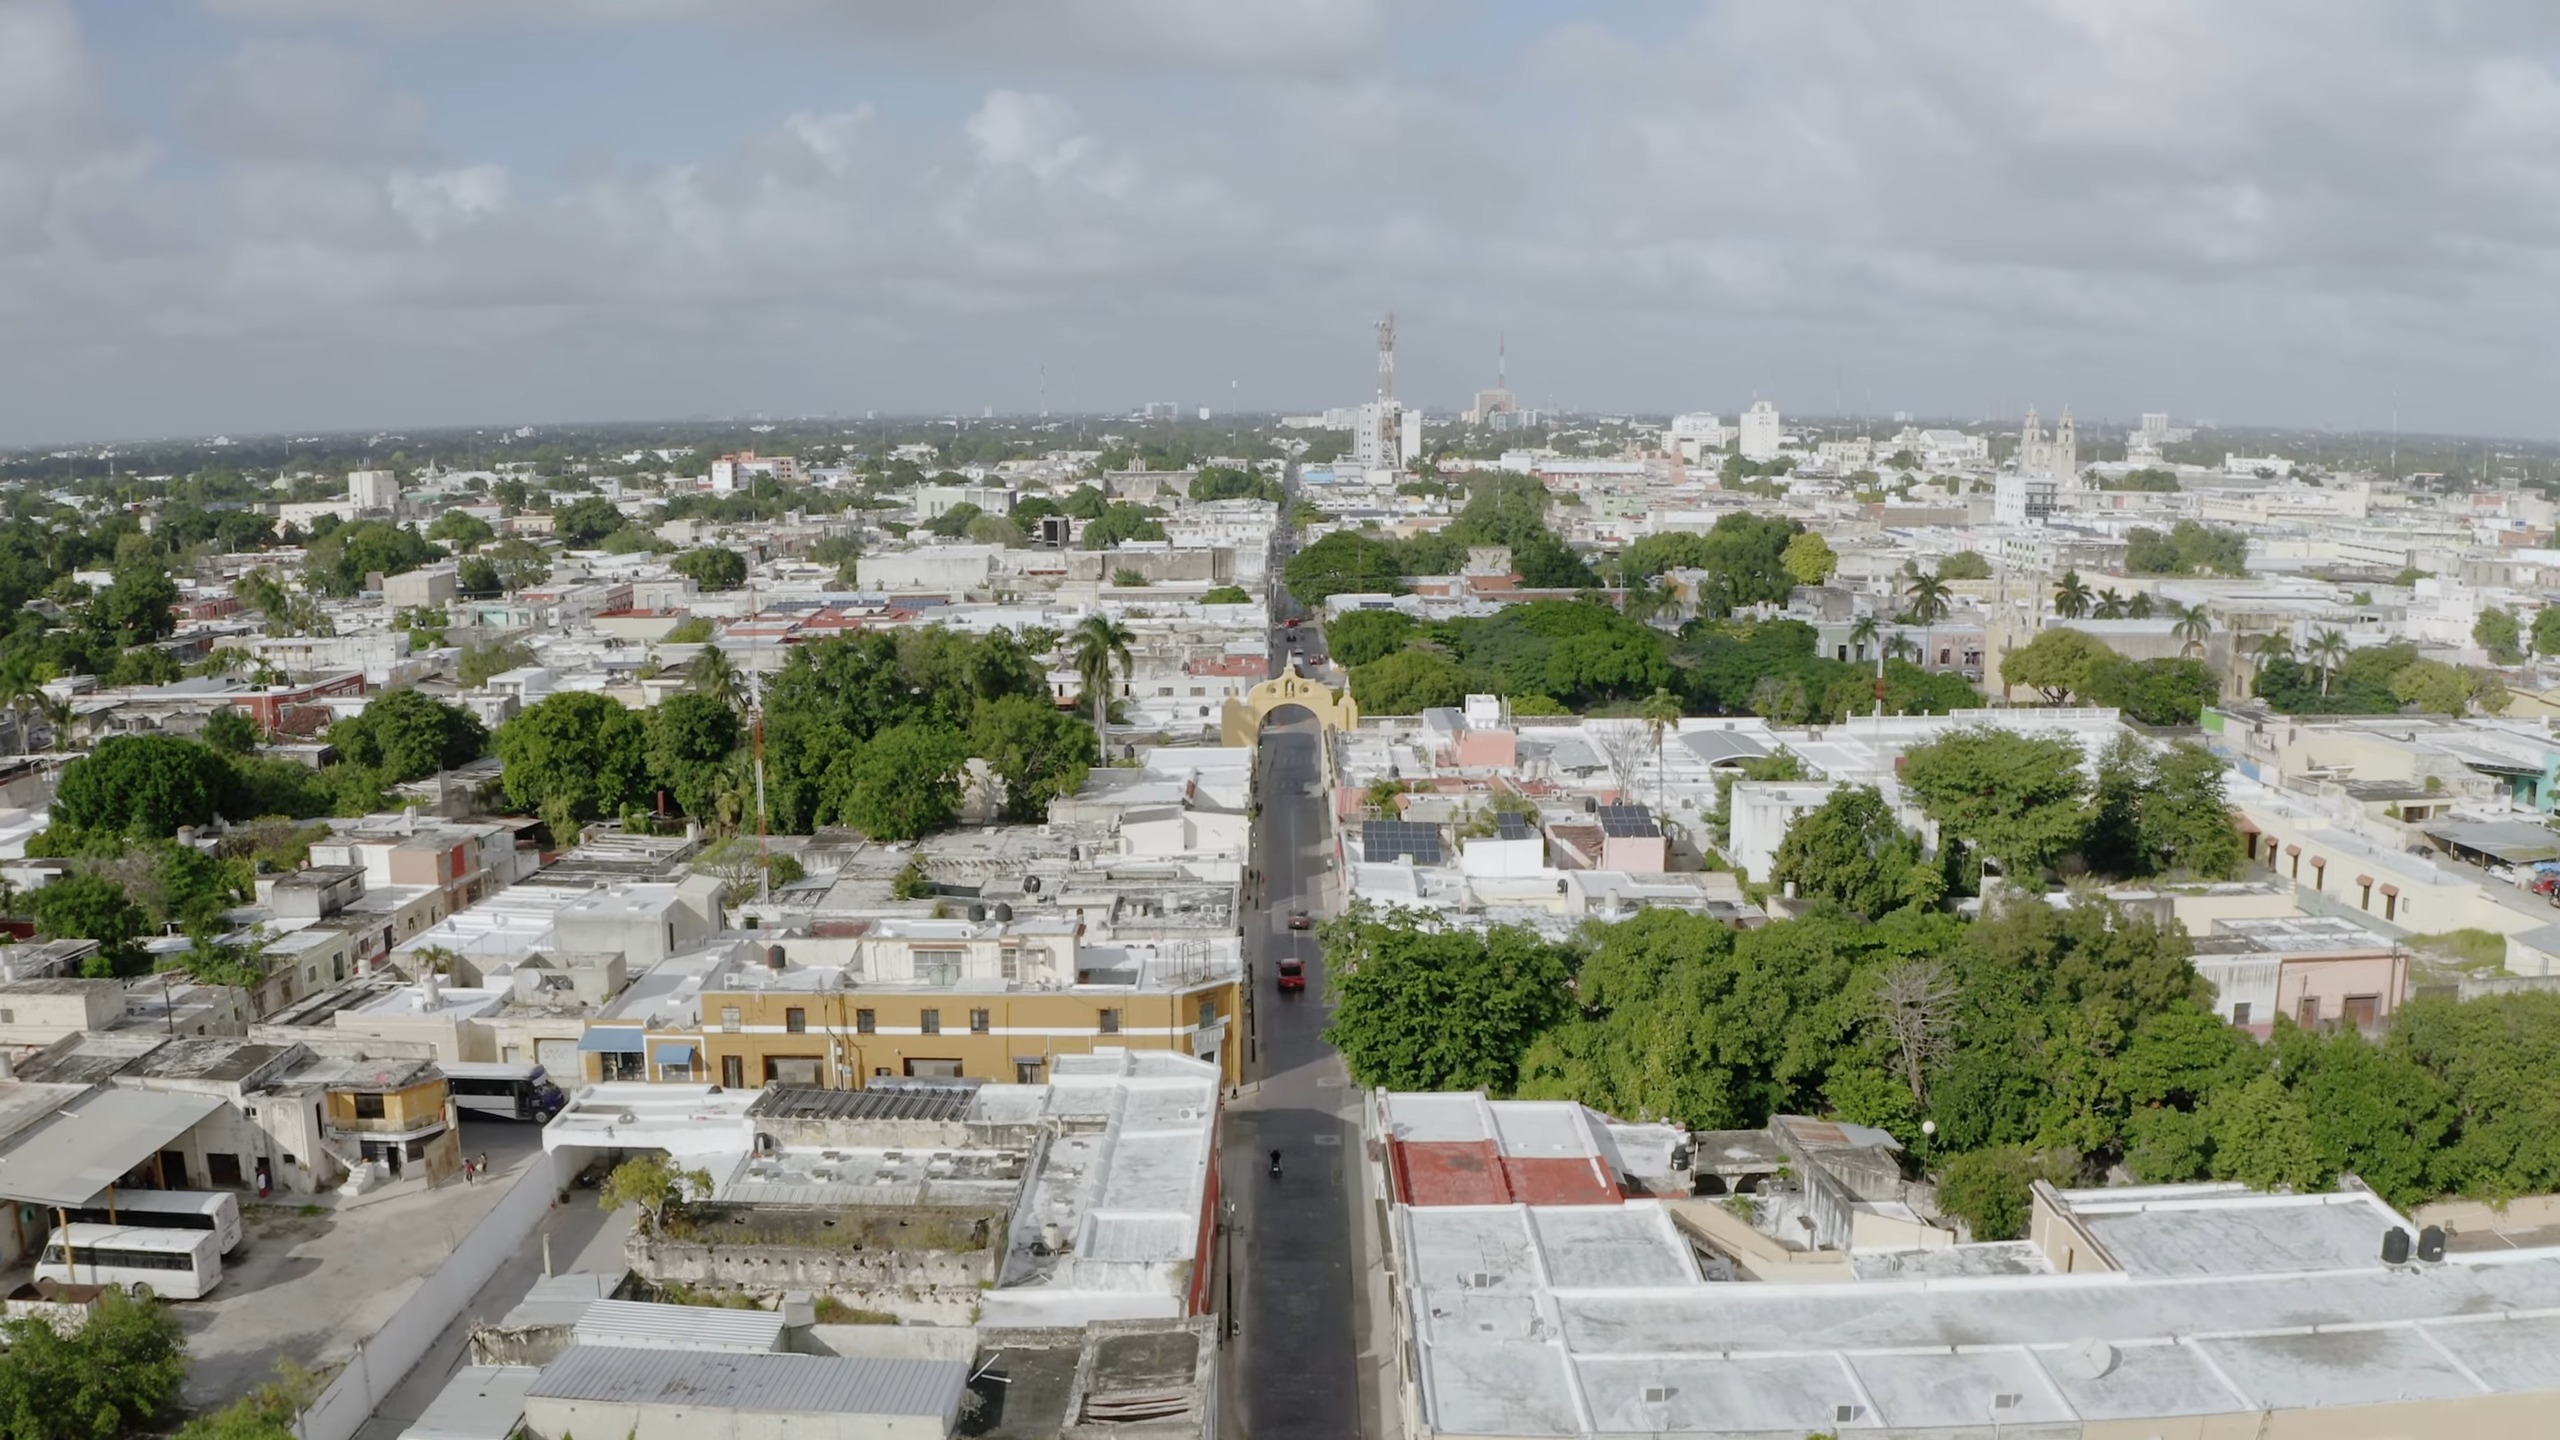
(172, 1264)
(513, 1092)
(213, 1210)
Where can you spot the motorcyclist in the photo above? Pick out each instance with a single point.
(1275, 1164)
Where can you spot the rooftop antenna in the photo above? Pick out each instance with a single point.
(1044, 389)
(1501, 362)
(1387, 357)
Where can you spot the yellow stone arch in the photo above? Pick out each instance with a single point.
(1333, 709)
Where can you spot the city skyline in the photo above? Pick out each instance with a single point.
(259, 216)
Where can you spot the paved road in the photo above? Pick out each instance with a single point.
(1297, 1350)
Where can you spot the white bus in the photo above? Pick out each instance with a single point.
(172, 1264)
(213, 1210)
(513, 1092)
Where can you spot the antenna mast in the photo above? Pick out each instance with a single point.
(1387, 357)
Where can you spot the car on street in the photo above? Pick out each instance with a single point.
(1293, 975)
(1298, 920)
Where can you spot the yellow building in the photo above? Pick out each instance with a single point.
(398, 1111)
(988, 1000)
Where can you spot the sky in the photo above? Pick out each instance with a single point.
(251, 216)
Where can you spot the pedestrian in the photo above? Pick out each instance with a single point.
(484, 1162)
(466, 1170)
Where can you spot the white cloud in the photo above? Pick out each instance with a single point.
(2303, 209)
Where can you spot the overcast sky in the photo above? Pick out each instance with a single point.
(257, 215)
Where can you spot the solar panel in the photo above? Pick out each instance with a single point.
(1383, 840)
(1512, 825)
(1627, 821)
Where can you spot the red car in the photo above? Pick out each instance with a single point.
(1290, 624)
(1298, 921)
(1293, 975)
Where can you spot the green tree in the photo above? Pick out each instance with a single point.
(1407, 683)
(82, 906)
(1849, 850)
(712, 673)
(2020, 798)
(2436, 688)
(477, 578)
(409, 735)
(904, 783)
(1992, 1191)
(117, 1375)
(521, 564)
(2057, 664)
(1964, 565)
(690, 739)
(1039, 752)
(484, 659)
(714, 569)
(655, 1186)
(231, 732)
(1361, 636)
(137, 605)
(462, 530)
(141, 785)
(1809, 559)
(2071, 596)
(1343, 562)
(1098, 646)
(2185, 822)
(577, 752)
(1418, 1009)
(343, 562)
(1227, 595)
(2262, 1137)
(1745, 560)
(1225, 482)
(2546, 630)
(2497, 632)
(1122, 522)
(584, 521)
(691, 630)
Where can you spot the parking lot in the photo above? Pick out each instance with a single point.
(314, 1277)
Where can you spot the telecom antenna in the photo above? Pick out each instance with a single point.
(1501, 362)
(1044, 390)
(1387, 357)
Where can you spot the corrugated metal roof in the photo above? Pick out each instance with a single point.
(90, 1144)
(768, 1384)
(879, 1102)
(679, 1327)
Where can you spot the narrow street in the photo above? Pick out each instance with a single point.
(1296, 1353)
(1294, 1357)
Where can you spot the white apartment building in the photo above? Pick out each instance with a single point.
(1759, 433)
(373, 489)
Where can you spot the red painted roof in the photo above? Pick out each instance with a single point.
(1474, 1173)
(1230, 665)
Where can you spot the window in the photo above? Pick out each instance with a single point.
(733, 1072)
(933, 1069)
(222, 1168)
(800, 1070)
(1026, 1072)
(866, 1022)
(2363, 1010)
(795, 1020)
(368, 1107)
(625, 1065)
(2240, 1012)
(930, 1022)
(2309, 1015)
(1208, 1013)
(1110, 1022)
(1008, 961)
(730, 1019)
(939, 967)
(977, 1022)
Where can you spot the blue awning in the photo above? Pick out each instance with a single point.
(623, 1040)
(672, 1052)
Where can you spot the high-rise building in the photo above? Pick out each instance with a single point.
(1760, 433)
(373, 489)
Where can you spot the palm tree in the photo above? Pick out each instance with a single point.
(2110, 605)
(1862, 636)
(2140, 606)
(2327, 647)
(1095, 647)
(2275, 645)
(1660, 712)
(713, 675)
(2071, 597)
(2194, 623)
(1927, 597)
(1900, 647)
